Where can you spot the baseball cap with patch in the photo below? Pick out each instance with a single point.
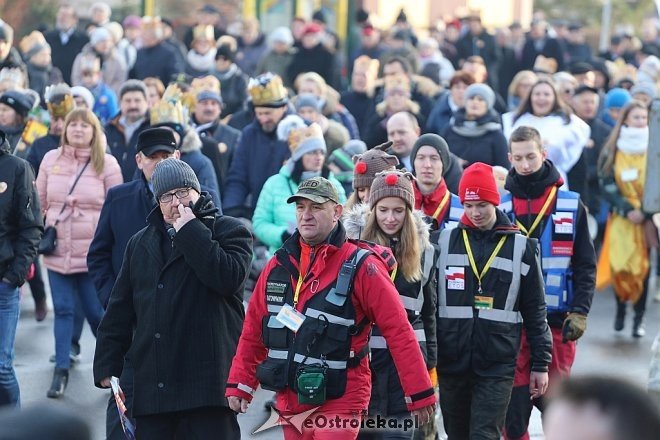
(316, 189)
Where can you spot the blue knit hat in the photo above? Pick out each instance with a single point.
(617, 98)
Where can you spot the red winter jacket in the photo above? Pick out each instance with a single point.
(373, 296)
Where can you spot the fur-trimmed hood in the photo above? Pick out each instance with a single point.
(191, 141)
(355, 219)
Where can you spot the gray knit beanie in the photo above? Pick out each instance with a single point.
(436, 142)
(482, 90)
(172, 174)
(392, 183)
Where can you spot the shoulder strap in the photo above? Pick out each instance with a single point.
(75, 182)
(339, 293)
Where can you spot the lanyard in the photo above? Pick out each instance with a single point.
(539, 217)
(393, 274)
(473, 264)
(441, 206)
(297, 293)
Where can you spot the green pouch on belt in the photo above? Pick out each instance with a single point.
(310, 382)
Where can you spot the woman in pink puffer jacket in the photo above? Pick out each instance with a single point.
(82, 151)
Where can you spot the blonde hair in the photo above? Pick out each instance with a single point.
(608, 153)
(98, 138)
(520, 77)
(352, 201)
(408, 252)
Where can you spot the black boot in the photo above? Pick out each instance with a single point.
(620, 316)
(60, 380)
(638, 327)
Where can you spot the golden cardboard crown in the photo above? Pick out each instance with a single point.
(59, 100)
(206, 83)
(203, 32)
(267, 89)
(398, 81)
(298, 135)
(169, 109)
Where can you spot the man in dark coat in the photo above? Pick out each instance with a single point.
(124, 213)
(177, 306)
(123, 130)
(65, 40)
(313, 56)
(477, 41)
(20, 231)
(156, 58)
(219, 141)
(260, 153)
(538, 43)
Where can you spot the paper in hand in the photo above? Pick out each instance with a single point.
(126, 425)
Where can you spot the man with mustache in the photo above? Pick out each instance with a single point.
(123, 130)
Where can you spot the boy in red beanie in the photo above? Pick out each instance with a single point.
(490, 285)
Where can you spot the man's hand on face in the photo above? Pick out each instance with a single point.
(185, 215)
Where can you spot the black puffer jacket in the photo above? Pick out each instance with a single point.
(21, 224)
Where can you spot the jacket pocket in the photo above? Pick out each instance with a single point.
(503, 342)
(273, 374)
(448, 340)
(274, 333)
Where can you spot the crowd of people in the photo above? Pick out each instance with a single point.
(427, 228)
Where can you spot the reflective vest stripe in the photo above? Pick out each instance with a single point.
(245, 388)
(335, 365)
(502, 264)
(555, 262)
(314, 313)
(519, 245)
(501, 316)
(457, 312)
(442, 263)
(278, 354)
(273, 322)
(272, 308)
(378, 342)
(566, 203)
(457, 260)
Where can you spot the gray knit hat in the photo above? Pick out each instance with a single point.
(369, 164)
(172, 174)
(392, 183)
(482, 90)
(434, 141)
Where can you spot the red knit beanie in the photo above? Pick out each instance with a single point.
(478, 184)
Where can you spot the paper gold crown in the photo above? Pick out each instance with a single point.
(298, 135)
(208, 83)
(203, 32)
(398, 81)
(169, 109)
(544, 64)
(267, 90)
(59, 100)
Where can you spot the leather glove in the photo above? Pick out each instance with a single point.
(204, 206)
(574, 326)
(433, 375)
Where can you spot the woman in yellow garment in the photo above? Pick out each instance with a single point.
(622, 173)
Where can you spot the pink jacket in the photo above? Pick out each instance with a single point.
(78, 221)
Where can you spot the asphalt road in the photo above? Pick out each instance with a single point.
(601, 350)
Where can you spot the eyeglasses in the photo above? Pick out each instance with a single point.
(168, 197)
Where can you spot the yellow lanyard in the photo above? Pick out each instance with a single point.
(393, 274)
(441, 206)
(539, 217)
(473, 264)
(297, 293)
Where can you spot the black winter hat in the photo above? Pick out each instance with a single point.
(435, 141)
(156, 139)
(21, 102)
(172, 174)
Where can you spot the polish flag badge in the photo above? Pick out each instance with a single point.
(455, 277)
(563, 222)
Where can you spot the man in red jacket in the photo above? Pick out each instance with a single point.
(306, 330)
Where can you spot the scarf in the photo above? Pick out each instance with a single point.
(474, 128)
(428, 203)
(202, 62)
(633, 140)
(223, 76)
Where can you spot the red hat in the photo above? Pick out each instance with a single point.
(312, 28)
(478, 184)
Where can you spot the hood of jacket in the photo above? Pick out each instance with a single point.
(191, 141)
(355, 219)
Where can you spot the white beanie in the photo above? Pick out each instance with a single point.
(85, 94)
